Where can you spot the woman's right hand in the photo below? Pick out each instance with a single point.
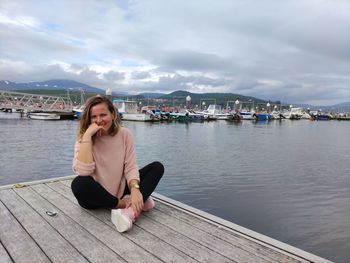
(92, 130)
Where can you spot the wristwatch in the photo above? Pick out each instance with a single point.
(135, 185)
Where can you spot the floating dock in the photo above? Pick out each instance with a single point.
(41, 221)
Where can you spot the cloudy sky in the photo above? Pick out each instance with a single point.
(291, 50)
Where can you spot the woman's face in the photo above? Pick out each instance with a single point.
(100, 115)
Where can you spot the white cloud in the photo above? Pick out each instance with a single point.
(21, 21)
(292, 50)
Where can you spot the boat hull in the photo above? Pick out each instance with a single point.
(263, 117)
(322, 117)
(137, 117)
(43, 116)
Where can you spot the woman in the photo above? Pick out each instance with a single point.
(105, 162)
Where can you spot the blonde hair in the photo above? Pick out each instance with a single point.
(85, 119)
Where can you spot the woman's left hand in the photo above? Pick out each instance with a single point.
(135, 201)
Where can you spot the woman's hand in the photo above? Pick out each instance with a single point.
(92, 130)
(135, 201)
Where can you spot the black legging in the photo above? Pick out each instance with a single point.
(91, 195)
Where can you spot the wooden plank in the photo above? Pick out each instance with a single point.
(231, 237)
(4, 257)
(105, 233)
(188, 245)
(22, 184)
(211, 242)
(19, 245)
(89, 246)
(249, 233)
(233, 230)
(249, 246)
(50, 241)
(142, 238)
(168, 236)
(181, 242)
(240, 248)
(229, 234)
(67, 182)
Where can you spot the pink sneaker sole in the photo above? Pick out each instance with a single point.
(148, 205)
(122, 222)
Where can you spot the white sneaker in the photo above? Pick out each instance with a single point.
(122, 219)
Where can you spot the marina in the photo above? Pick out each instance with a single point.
(42, 222)
(45, 107)
(273, 177)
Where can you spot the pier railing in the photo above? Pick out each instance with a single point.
(34, 102)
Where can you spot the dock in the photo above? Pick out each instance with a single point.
(41, 221)
(19, 101)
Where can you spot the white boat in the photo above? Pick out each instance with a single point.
(195, 116)
(293, 113)
(277, 115)
(137, 117)
(214, 112)
(43, 116)
(128, 111)
(247, 115)
(305, 115)
(78, 111)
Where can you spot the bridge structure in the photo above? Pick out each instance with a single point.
(17, 101)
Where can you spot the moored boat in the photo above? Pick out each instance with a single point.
(179, 116)
(161, 115)
(263, 116)
(128, 111)
(247, 115)
(214, 112)
(195, 116)
(276, 115)
(293, 113)
(43, 116)
(320, 116)
(236, 117)
(78, 111)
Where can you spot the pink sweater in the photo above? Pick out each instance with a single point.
(114, 161)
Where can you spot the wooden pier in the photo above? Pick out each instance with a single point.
(19, 101)
(41, 221)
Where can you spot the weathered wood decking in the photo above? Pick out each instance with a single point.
(172, 232)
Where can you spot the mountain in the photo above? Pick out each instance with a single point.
(305, 106)
(210, 98)
(7, 85)
(150, 95)
(341, 107)
(55, 87)
(54, 84)
(61, 86)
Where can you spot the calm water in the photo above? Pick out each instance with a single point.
(289, 180)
